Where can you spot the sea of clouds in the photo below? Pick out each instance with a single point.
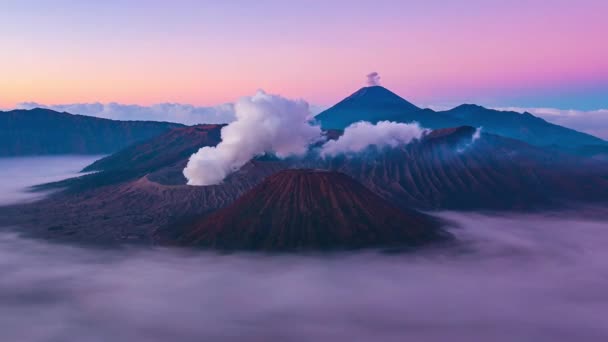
(18, 174)
(540, 277)
(516, 278)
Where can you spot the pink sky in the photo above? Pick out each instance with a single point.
(518, 53)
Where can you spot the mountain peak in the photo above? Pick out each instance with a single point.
(372, 104)
(377, 95)
(469, 106)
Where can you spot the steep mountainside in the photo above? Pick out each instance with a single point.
(377, 103)
(45, 132)
(309, 210)
(450, 169)
(599, 152)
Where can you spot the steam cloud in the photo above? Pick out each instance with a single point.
(373, 79)
(170, 112)
(361, 135)
(264, 123)
(477, 134)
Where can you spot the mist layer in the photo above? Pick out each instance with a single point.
(518, 278)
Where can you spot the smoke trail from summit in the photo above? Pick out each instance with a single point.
(373, 79)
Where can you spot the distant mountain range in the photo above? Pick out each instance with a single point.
(139, 194)
(378, 103)
(46, 132)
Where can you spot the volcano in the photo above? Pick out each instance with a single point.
(377, 103)
(143, 188)
(305, 209)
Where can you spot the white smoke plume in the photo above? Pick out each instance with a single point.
(361, 135)
(477, 134)
(373, 79)
(264, 123)
(170, 112)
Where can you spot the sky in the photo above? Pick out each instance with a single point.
(545, 54)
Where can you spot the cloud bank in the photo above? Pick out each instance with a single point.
(17, 175)
(170, 112)
(361, 135)
(264, 123)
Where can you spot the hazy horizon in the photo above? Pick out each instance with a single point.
(594, 122)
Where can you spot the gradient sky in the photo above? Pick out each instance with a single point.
(496, 53)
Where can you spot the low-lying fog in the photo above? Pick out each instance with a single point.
(17, 174)
(512, 278)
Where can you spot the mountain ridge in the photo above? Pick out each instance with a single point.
(521, 126)
(42, 131)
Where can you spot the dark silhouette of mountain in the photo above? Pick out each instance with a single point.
(161, 151)
(377, 103)
(525, 127)
(309, 210)
(446, 169)
(46, 132)
(161, 159)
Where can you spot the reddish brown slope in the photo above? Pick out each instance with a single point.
(309, 209)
